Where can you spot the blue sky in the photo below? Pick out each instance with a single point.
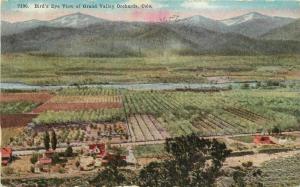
(216, 9)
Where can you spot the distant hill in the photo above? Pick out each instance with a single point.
(287, 32)
(255, 24)
(202, 22)
(136, 39)
(77, 20)
(84, 35)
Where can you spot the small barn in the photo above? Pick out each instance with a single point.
(262, 140)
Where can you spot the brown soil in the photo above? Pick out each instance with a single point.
(16, 120)
(28, 96)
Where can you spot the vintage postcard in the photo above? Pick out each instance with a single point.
(150, 93)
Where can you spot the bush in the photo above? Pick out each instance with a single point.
(55, 158)
(32, 169)
(77, 163)
(245, 86)
(273, 83)
(69, 152)
(272, 151)
(61, 170)
(34, 158)
(8, 170)
(241, 153)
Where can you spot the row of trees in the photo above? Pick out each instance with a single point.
(47, 140)
(191, 161)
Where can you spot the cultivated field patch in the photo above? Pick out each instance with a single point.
(146, 128)
(86, 99)
(39, 97)
(16, 120)
(82, 116)
(83, 133)
(281, 172)
(75, 106)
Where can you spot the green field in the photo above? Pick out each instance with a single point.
(175, 69)
(16, 107)
(180, 113)
(282, 172)
(150, 151)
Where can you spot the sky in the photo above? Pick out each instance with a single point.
(161, 9)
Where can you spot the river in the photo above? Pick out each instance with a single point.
(131, 86)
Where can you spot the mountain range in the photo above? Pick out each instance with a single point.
(84, 35)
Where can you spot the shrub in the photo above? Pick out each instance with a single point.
(34, 158)
(77, 163)
(69, 152)
(61, 170)
(8, 170)
(32, 169)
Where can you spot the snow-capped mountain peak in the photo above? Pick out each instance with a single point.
(76, 20)
(243, 18)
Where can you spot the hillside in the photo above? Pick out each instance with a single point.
(254, 24)
(287, 32)
(84, 35)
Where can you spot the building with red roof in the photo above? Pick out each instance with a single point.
(6, 155)
(98, 149)
(262, 140)
(43, 164)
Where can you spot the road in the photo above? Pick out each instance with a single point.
(126, 144)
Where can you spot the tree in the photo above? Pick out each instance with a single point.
(34, 158)
(112, 174)
(69, 151)
(154, 174)
(53, 140)
(46, 140)
(193, 161)
(245, 86)
(276, 130)
(247, 175)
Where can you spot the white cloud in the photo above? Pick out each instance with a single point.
(197, 4)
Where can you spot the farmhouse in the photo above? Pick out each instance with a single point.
(43, 164)
(262, 140)
(6, 155)
(98, 149)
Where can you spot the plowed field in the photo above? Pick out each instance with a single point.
(16, 120)
(34, 97)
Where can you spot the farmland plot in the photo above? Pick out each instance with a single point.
(75, 106)
(209, 124)
(246, 114)
(39, 97)
(89, 92)
(146, 128)
(16, 120)
(17, 107)
(86, 99)
(281, 172)
(75, 133)
(82, 116)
